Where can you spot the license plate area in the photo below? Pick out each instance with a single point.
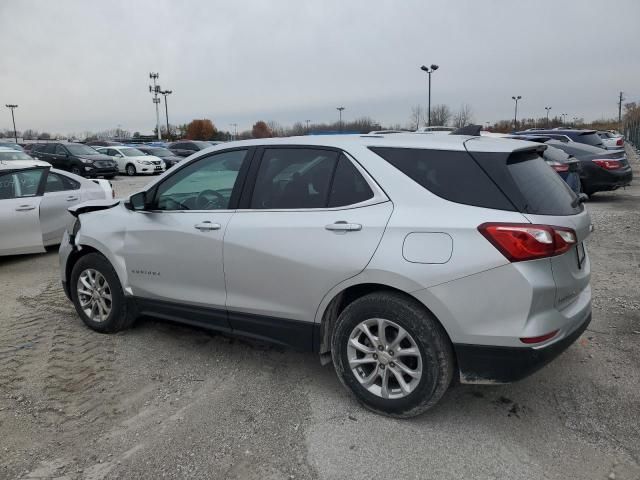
(580, 254)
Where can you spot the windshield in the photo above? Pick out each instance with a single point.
(14, 146)
(590, 139)
(555, 155)
(159, 152)
(131, 152)
(14, 155)
(202, 144)
(77, 149)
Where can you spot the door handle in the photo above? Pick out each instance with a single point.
(207, 226)
(71, 199)
(342, 226)
(25, 208)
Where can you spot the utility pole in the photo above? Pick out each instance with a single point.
(429, 71)
(166, 109)
(620, 99)
(307, 125)
(547, 109)
(515, 115)
(155, 90)
(12, 108)
(340, 109)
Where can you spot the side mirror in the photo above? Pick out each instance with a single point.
(118, 155)
(137, 201)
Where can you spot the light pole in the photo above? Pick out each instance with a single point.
(547, 109)
(515, 115)
(307, 125)
(563, 118)
(12, 108)
(429, 71)
(340, 109)
(155, 90)
(235, 127)
(166, 109)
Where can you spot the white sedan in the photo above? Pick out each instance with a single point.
(34, 202)
(133, 161)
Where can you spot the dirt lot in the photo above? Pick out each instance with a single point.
(162, 400)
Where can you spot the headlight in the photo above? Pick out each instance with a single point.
(143, 162)
(86, 160)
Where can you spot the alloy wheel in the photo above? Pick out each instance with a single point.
(384, 358)
(94, 295)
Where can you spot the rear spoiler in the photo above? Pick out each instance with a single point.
(92, 206)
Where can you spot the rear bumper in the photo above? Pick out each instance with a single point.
(494, 365)
(599, 179)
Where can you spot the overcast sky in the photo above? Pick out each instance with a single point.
(83, 65)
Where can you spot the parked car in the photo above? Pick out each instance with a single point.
(184, 148)
(600, 170)
(569, 135)
(168, 157)
(405, 260)
(34, 203)
(611, 141)
(76, 158)
(132, 161)
(12, 145)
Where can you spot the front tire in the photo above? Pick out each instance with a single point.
(392, 354)
(131, 170)
(76, 171)
(97, 294)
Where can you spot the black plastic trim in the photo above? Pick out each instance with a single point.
(489, 364)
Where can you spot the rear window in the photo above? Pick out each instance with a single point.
(589, 139)
(543, 191)
(452, 175)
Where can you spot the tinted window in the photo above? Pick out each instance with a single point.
(589, 139)
(577, 149)
(543, 190)
(294, 178)
(59, 183)
(348, 187)
(454, 176)
(60, 150)
(50, 148)
(204, 185)
(78, 149)
(7, 186)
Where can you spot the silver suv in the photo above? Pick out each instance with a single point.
(406, 260)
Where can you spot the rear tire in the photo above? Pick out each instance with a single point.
(131, 170)
(97, 294)
(414, 381)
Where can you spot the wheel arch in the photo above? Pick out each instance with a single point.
(347, 295)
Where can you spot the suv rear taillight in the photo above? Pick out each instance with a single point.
(559, 167)
(522, 241)
(608, 164)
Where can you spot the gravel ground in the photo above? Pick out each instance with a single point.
(165, 401)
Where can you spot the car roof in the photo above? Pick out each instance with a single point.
(397, 140)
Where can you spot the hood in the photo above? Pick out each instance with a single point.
(100, 157)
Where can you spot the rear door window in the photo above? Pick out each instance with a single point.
(452, 175)
(294, 178)
(590, 139)
(349, 186)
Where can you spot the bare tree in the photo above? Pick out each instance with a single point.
(440, 115)
(463, 117)
(414, 118)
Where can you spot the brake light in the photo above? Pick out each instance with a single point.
(620, 142)
(539, 339)
(608, 164)
(521, 241)
(559, 167)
